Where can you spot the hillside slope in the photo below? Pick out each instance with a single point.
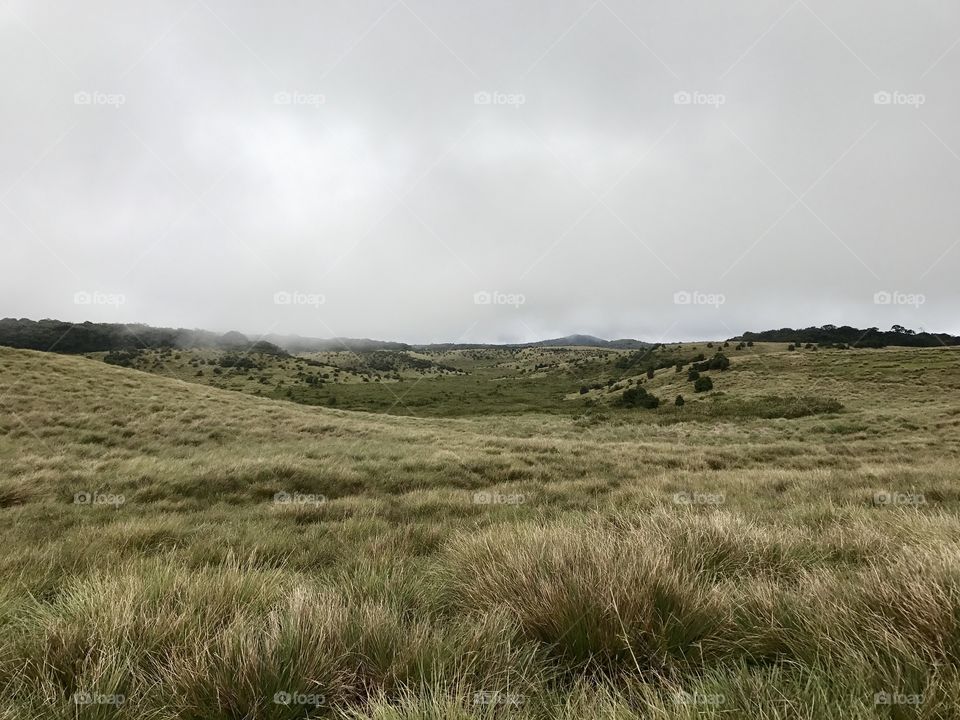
(179, 551)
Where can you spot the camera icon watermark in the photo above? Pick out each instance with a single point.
(95, 97)
(895, 97)
(96, 498)
(495, 297)
(282, 297)
(896, 698)
(493, 498)
(695, 297)
(695, 97)
(895, 297)
(296, 498)
(886, 498)
(697, 498)
(84, 697)
(297, 98)
(484, 97)
(83, 297)
(284, 697)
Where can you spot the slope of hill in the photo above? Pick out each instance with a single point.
(174, 550)
(590, 341)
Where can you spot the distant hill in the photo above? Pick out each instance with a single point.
(66, 337)
(854, 337)
(568, 341)
(591, 341)
(299, 344)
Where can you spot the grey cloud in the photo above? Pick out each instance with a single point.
(227, 151)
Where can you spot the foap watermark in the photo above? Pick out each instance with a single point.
(697, 498)
(497, 697)
(84, 697)
(97, 498)
(695, 97)
(486, 497)
(695, 297)
(283, 697)
(887, 498)
(484, 97)
(296, 498)
(295, 97)
(282, 297)
(896, 698)
(495, 297)
(83, 297)
(682, 697)
(85, 97)
(895, 97)
(896, 297)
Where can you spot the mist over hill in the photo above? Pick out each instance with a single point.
(71, 338)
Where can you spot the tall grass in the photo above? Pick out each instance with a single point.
(706, 568)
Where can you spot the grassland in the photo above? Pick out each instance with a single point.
(497, 545)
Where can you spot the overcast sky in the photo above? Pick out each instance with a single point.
(428, 170)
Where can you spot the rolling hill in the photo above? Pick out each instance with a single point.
(176, 550)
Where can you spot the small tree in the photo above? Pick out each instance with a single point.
(719, 362)
(791, 347)
(584, 389)
(679, 401)
(749, 343)
(703, 384)
(638, 397)
(650, 372)
(692, 374)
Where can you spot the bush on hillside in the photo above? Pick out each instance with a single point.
(703, 384)
(638, 397)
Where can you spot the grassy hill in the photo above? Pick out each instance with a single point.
(174, 548)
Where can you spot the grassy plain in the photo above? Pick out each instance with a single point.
(486, 543)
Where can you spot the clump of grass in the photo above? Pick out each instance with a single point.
(15, 492)
(596, 600)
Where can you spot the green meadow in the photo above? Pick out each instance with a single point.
(481, 533)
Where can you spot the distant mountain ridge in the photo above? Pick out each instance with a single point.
(590, 341)
(66, 337)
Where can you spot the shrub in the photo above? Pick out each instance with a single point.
(692, 374)
(679, 402)
(750, 343)
(703, 384)
(791, 347)
(584, 389)
(638, 397)
(719, 362)
(650, 372)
